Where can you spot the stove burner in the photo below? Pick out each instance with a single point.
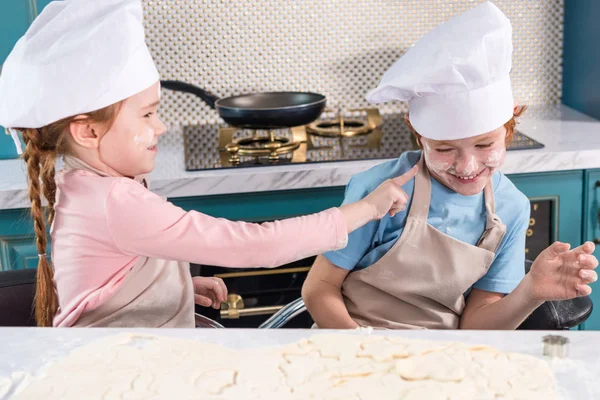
(340, 127)
(271, 147)
(256, 146)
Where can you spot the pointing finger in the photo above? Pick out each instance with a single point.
(407, 176)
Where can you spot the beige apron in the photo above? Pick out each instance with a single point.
(155, 293)
(420, 282)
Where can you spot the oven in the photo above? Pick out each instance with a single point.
(256, 294)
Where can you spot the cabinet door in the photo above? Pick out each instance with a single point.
(591, 231)
(558, 196)
(17, 241)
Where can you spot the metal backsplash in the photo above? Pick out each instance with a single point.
(337, 48)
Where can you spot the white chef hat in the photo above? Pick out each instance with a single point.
(77, 56)
(456, 78)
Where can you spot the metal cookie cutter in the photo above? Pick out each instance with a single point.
(555, 346)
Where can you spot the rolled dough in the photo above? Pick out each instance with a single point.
(326, 366)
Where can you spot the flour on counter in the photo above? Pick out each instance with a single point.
(10, 385)
(323, 366)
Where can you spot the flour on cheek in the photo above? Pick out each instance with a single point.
(436, 162)
(144, 141)
(495, 158)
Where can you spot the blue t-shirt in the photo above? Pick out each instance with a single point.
(462, 217)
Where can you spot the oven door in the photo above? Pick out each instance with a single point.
(256, 294)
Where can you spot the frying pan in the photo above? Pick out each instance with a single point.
(268, 110)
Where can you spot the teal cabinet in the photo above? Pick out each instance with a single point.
(263, 206)
(591, 231)
(565, 192)
(15, 17)
(17, 240)
(40, 4)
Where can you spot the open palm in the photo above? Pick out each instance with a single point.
(560, 274)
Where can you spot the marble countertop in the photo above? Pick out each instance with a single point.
(571, 139)
(25, 351)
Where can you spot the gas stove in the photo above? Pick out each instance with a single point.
(357, 134)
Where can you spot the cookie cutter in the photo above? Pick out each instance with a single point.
(555, 346)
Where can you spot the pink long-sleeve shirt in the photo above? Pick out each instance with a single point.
(103, 224)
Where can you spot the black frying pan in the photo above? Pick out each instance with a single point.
(269, 110)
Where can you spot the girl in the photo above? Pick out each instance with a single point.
(120, 253)
(455, 257)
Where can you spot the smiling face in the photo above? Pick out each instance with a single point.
(466, 165)
(130, 145)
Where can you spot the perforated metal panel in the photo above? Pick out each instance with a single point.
(337, 48)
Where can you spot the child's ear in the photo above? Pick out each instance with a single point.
(84, 132)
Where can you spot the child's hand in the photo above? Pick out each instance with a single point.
(389, 197)
(386, 198)
(560, 274)
(209, 291)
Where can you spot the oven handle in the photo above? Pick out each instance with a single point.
(234, 313)
(278, 271)
(234, 308)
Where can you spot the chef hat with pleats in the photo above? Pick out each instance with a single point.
(456, 78)
(77, 56)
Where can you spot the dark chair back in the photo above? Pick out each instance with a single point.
(17, 290)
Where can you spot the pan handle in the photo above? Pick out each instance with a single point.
(179, 86)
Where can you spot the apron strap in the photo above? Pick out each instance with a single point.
(421, 198)
(488, 196)
(494, 228)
